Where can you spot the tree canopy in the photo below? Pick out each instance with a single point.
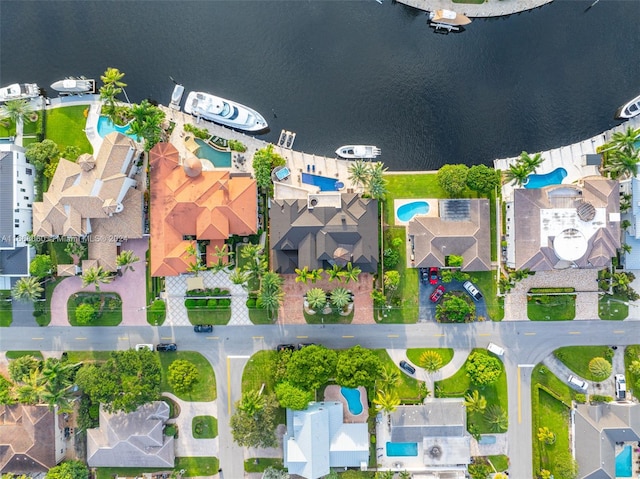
(482, 179)
(357, 367)
(453, 179)
(454, 308)
(482, 368)
(311, 367)
(293, 397)
(183, 376)
(40, 266)
(255, 428)
(69, 470)
(40, 154)
(264, 161)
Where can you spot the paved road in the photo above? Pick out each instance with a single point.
(526, 343)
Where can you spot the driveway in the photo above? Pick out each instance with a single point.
(428, 308)
(186, 444)
(131, 287)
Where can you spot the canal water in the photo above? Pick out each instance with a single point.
(352, 72)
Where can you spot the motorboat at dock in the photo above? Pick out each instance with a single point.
(224, 112)
(176, 97)
(629, 109)
(19, 91)
(448, 20)
(74, 86)
(350, 152)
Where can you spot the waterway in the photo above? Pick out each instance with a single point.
(352, 72)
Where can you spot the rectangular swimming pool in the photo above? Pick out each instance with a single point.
(323, 182)
(283, 174)
(402, 449)
(623, 463)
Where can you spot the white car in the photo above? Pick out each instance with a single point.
(140, 347)
(472, 290)
(495, 349)
(621, 387)
(578, 383)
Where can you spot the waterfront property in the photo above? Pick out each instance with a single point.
(406, 210)
(189, 203)
(323, 182)
(554, 177)
(106, 126)
(217, 157)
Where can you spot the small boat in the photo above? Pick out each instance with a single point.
(176, 97)
(448, 20)
(74, 86)
(19, 91)
(629, 109)
(358, 151)
(224, 112)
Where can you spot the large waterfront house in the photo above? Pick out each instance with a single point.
(31, 439)
(318, 439)
(133, 439)
(461, 227)
(16, 198)
(631, 259)
(562, 226)
(323, 230)
(189, 204)
(98, 198)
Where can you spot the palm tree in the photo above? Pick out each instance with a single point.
(17, 111)
(475, 402)
(271, 294)
(622, 164)
(220, 254)
(96, 275)
(317, 298)
(238, 276)
(304, 275)
(626, 248)
(497, 418)
(334, 273)
(113, 76)
(430, 361)
(196, 265)
(517, 172)
(340, 297)
(32, 388)
(387, 401)
(620, 282)
(251, 402)
(124, 261)
(250, 251)
(389, 377)
(623, 141)
(378, 189)
(358, 172)
(27, 289)
(531, 162)
(60, 398)
(316, 275)
(256, 267)
(351, 273)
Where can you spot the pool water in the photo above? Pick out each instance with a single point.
(623, 463)
(487, 440)
(323, 182)
(554, 177)
(353, 400)
(402, 449)
(219, 159)
(106, 126)
(409, 210)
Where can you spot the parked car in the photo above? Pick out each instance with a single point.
(472, 290)
(203, 328)
(424, 276)
(495, 349)
(407, 367)
(577, 383)
(433, 275)
(166, 347)
(621, 387)
(142, 347)
(285, 347)
(437, 293)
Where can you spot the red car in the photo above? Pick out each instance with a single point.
(433, 275)
(437, 294)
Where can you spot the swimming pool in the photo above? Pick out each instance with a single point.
(402, 449)
(282, 174)
(219, 159)
(353, 400)
(554, 177)
(323, 182)
(409, 210)
(484, 439)
(106, 126)
(623, 463)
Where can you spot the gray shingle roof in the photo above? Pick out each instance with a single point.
(436, 418)
(6, 199)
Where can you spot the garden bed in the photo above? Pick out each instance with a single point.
(204, 389)
(107, 308)
(560, 307)
(577, 358)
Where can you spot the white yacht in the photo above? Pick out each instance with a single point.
(19, 91)
(176, 97)
(225, 112)
(351, 152)
(629, 109)
(74, 86)
(448, 20)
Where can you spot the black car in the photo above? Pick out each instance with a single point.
(203, 328)
(407, 367)
(285, 347)
(167, 347)
(424, 275)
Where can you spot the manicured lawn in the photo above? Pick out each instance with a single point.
(204, 390)
(65, 127)
(331, 318)
(87, 356)
(156, 313)
(460, 384)
(111, 472)
(408, 388)
(544, 307)
(632, 353)
(19, 354)
(486, 282)
(577, 358)
(7, 130)
(42, 310)
(204, 427)
(58, 254)
(6, 313)
(108, 307)
(217, 317)
(262, 463)
(259, 316)
(445, 353)
(410, 186)
(32, 127)
(259, 370)
(500, 462)
(612, 307)
(194, 466)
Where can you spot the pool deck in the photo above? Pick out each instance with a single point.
(333, 393)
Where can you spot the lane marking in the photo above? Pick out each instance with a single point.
(212, 337)
(484, 334)
(438, 335)
(37, 339)
(81, 339)
(257, 337)
(123, 339)
(530, 334)
(519, 397)
(393, 335)
(302, 337)
(618, 331)
(229, 385)
(574, 332)
(348, 336)
(166, 337)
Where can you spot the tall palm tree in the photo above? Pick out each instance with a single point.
(96, 275)
(475, 402)
(196, 265)
(623, 141)
(113, 76)
(317, 298)
(389, 377)
(351, 273)
(58, 373)
(517, 172)
(238, 276)
(256, 267)
(60, 398)
(497, 418)
(271, 294)
(27, 289)
(124, 261)
(304, 275)
(358, 172)
(251, 403)
(531, 162)
(335, 273)
(32, 388)
(378, 189)
(387, 401)
(222, 254)
(18, 111)
(340, 297)
(622, 164)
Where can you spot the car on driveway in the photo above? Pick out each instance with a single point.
(433, 275)
(577, 383)
(407, 367)
(285, 347)
(164, 347)
(472, 290)
(621, 387)
(424, 276)
(437, 294)
(203, 328)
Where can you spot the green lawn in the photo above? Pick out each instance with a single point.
(87, 356)
(111, 472)
(42, 310)
(331, 318)
(409, 388)
(259, 316)
(542, 307)
(19, 354)
(204, 427)
(486, 282)
(613, 307)
(7, 130)
(110, 310)
(194, 466)
(204, 390)
(259, 464)
(460, 384)
(632, 353)
(156, 313)
(445, 353)
(32, 127)
(6, 313)
(259, 370)
(577, 358)
(65, 126)
(217, 317)
(500, 462)
(56, 249)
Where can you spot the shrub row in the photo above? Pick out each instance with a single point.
(222, 303)
(207, 292)
(594, 398)
(551, 290)
(201, 133)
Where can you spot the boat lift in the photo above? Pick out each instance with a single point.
(286, 139)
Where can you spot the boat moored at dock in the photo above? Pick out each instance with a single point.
(224, 112)
(176, 97)
(351, 152)
(448, 20)
(74, 86)
(19, 91)
(629, 109)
